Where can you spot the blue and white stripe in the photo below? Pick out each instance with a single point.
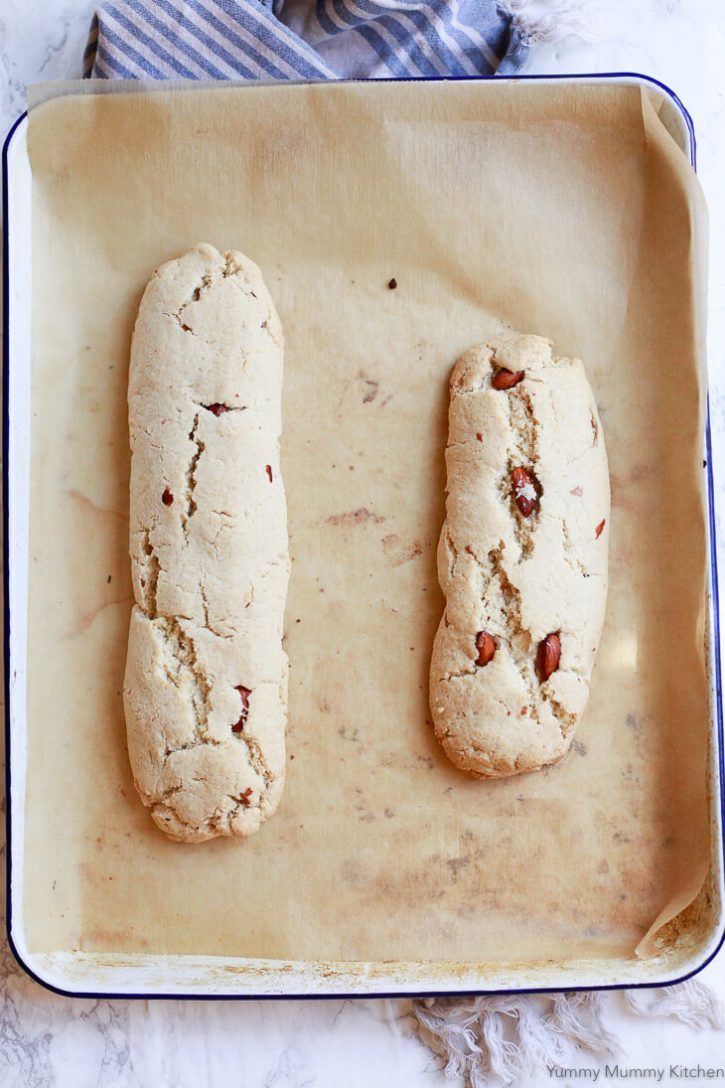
(321, 39)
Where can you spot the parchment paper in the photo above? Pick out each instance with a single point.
(564, 211)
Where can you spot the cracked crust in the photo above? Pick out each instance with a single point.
(519, 578)
(205, 691)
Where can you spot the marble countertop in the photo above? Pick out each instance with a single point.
(50, 1040)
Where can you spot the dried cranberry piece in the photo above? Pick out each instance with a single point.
(245, 693)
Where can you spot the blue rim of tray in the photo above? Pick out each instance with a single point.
(577, 77)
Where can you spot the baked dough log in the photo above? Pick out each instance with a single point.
(205, 691)
(522, 559)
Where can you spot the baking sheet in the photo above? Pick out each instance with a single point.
(558, 210)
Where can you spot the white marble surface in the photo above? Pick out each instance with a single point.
(48, 1040)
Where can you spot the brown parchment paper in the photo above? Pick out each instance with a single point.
(561, 210)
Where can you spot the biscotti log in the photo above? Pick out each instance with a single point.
(522, 559)
(205, 691)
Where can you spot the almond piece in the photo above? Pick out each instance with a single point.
(486, 648)
(507, 379)
(547, 658)
(524, 491)
(600, 528)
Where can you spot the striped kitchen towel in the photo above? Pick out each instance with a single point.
(303, 39)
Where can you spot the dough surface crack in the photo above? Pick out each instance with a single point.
(190, 506)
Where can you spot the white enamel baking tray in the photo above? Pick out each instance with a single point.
(94, 974)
